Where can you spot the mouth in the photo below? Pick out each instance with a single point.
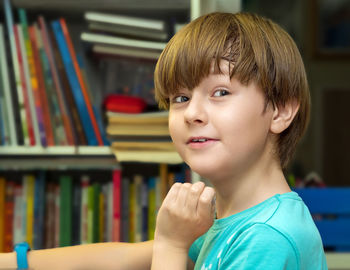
(200, 140)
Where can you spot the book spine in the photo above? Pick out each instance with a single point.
(77, 190)
(84, 209)
(17, 80)
(31, 81)
(96, 203)
(41, 88)
(6, 88)
(65, 211)
(27, 126)
(56, 117)
(132, 211)
(81, 81)
(151, 207)
(90, 216)
(116, 204)
(125, 220)
(58, 86)
(57, 207)
(2, 210)
(17, 215)
(8, 216)
(39, 203)
(74, 83)
(101, 217)
(144, 210)
(24, 208)
(78, 131)
(30, 181)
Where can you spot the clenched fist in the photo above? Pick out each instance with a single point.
(187, 212)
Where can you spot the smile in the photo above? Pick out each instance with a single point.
(200, 142)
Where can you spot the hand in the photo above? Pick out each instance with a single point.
(187, 212)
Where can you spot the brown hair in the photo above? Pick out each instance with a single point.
(259, 50)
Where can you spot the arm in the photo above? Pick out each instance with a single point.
(186, 213)
(92, 256)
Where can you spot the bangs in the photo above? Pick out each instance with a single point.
(190, 54)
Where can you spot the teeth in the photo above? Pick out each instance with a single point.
(199, 140)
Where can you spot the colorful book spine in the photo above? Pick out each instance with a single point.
(18, 215)
(90, 216)
(84, 209)
(57, 83)
(74, 83)
(41, 88)
(28, 136)
(138, 179)
(15, 64)
(39, 207)
(96, 214)
(76, 209)
(151, 207)
(8, 216)
(30, 181)
(144, 211)
(55, 113)
(57, 207)
(2, 211)
(81, 81)
(65, 211)
(101, 217)
(116, 204)
(125, 219)
(31, 81)
(5, 85)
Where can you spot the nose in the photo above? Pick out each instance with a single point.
(195, 112)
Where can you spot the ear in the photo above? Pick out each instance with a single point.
(283, 116)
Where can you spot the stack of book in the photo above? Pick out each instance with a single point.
(120, 35)
(44, 97)
(142, 137)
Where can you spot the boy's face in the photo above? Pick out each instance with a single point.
(220, 128)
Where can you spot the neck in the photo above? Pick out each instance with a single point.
(241, 192)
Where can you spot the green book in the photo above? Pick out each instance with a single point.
(65, 210)
(96, 204)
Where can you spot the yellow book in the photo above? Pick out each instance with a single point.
(30, 208)
(163, 174)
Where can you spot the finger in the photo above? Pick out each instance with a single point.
(205, 203)
(172, 194)
(182, 195)
(193, 195)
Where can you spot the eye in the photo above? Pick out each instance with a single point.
(220, 93)
(180, 99)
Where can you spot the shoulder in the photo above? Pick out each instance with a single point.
(261, 246)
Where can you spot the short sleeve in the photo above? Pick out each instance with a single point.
(261, 247)
(195, 248)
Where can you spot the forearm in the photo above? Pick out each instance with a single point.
(92, 256)
(168, 257)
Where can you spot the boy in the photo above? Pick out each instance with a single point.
(238, 102)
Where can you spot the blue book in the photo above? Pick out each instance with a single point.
(74, 83)
(39, 210)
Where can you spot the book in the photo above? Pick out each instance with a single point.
(55, 112)
(28, 86)
(90, 212)
(95, 38)
(7, 105)
(76, 213)
(67, 123)
(74, 83)
(125, 191)
(127, 25)
(65, 232)
(152, 118)
(116, 205)
(170, 157)
(144, 145)
(57, 216)
(2, 211)
(144, 209)
(78, 131)
(84, 209)
(9, 216)
(117, 51)
(19, 100)
(151, 219)
(138, 182)
(4, 128)
(96, 203)
(81, 81)
(44, 103)
(31, 81)
(28, 130)
(17, 215)
(39, 208)
(29, 197)
(138, 130)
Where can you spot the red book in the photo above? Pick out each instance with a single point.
(41, 89)
(81, 81)
(116, 205)
(8, 216)
(24, 88)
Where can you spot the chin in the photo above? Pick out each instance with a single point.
(207, 170)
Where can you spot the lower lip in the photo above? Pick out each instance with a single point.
(200, 145)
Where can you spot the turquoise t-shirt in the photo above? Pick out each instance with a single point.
(278, 233)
